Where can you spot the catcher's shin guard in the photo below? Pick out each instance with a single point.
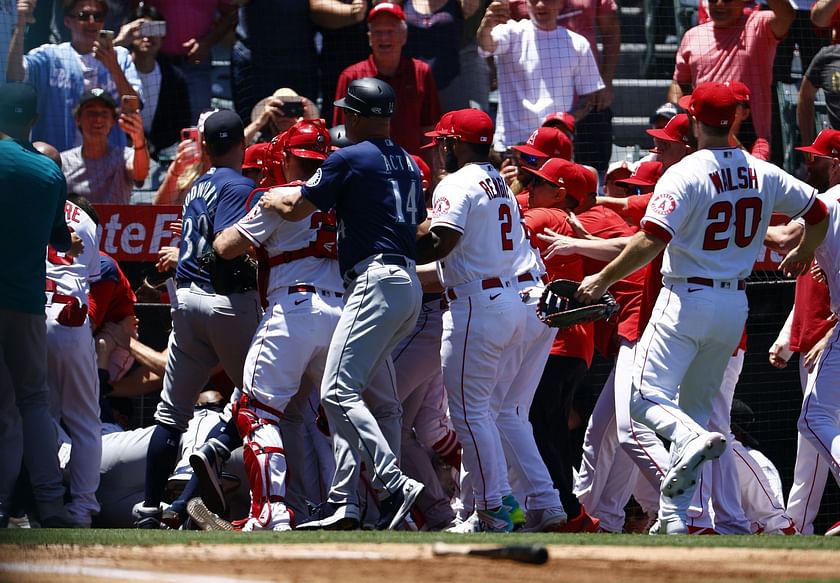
(265, 463)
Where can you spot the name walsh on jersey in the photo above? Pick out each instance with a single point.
(743, 177)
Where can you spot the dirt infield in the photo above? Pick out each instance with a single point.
(396, 563)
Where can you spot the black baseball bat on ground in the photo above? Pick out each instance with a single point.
(530, 554)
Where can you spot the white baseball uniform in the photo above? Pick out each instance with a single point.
(713, 209)
(289, 349)
(818, 421)
(486, 316)
(71, 360)
(519, 374)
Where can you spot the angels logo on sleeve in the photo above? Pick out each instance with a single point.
(441, 207)
(663, 204)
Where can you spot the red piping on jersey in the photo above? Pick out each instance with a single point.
(826, 353)
(772, 499)
(656, 230)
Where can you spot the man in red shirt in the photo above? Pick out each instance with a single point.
(418, 107)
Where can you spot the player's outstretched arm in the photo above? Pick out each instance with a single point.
(231, 243)
(641, 249)
(436, 244)
(780, 351)
(288, 202)
(599, 249)
(799, 260)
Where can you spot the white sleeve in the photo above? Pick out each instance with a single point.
(450, 206)
(257, 226)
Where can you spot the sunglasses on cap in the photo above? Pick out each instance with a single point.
(530, 159)
(85, 16)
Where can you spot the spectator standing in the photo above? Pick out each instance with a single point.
(166, 104)
(274, 47)
(542, 68)
(343, 28)
(820, 74)
(193, 27)
(435, 33)
(96, 170)
(418, 108)
(735, 46)
(23, 341)
(62, 73)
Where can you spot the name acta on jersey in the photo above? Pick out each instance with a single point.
(724, 180)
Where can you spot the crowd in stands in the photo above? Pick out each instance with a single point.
(113, 106)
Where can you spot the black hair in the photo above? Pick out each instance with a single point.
(482, 150)
(69, 5)
(143, 10)
(85, 205)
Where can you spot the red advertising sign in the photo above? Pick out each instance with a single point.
(136, 232)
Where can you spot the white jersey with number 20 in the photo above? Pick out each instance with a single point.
(477, 202)
(715, 206)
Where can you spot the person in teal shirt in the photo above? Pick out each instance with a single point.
(33, 191)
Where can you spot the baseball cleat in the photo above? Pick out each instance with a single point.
(330, 516)
(583, 522)
(834, 530)
(682, 476)
(545, 520)
(669, 525)
(204, 462)
(148, 517)
(467, 525)
(205, 518)
(394, 508)
(515, 510)
(495, 520)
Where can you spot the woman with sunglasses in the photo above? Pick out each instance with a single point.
(62, 73)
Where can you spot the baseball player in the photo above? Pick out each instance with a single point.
(71, 357)
(709, 213)
(486, 316)
(209, 326)
(807, 330)
(289, 349)
(374, 185)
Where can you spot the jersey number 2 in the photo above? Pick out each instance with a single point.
(506, 220)
(747, 218)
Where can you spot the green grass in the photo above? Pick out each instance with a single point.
(151, 537)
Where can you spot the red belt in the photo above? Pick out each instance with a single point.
(490, 283)
(311, 289)
(527, 276)
(742, 284)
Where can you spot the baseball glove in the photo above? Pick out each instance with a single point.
(558, 307)
(229, 276)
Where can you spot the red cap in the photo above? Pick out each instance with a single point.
(308, 138)
(676, 130)
(577, 179)
(714, 104)
(741, 91)
(469, 125)
(567, 120)
(646, 174)
(621, 166)
(547, 142)
(425, 171)
(442, 123)
(552, 170)
(386, 8)
(255, 156)
(827, 143)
